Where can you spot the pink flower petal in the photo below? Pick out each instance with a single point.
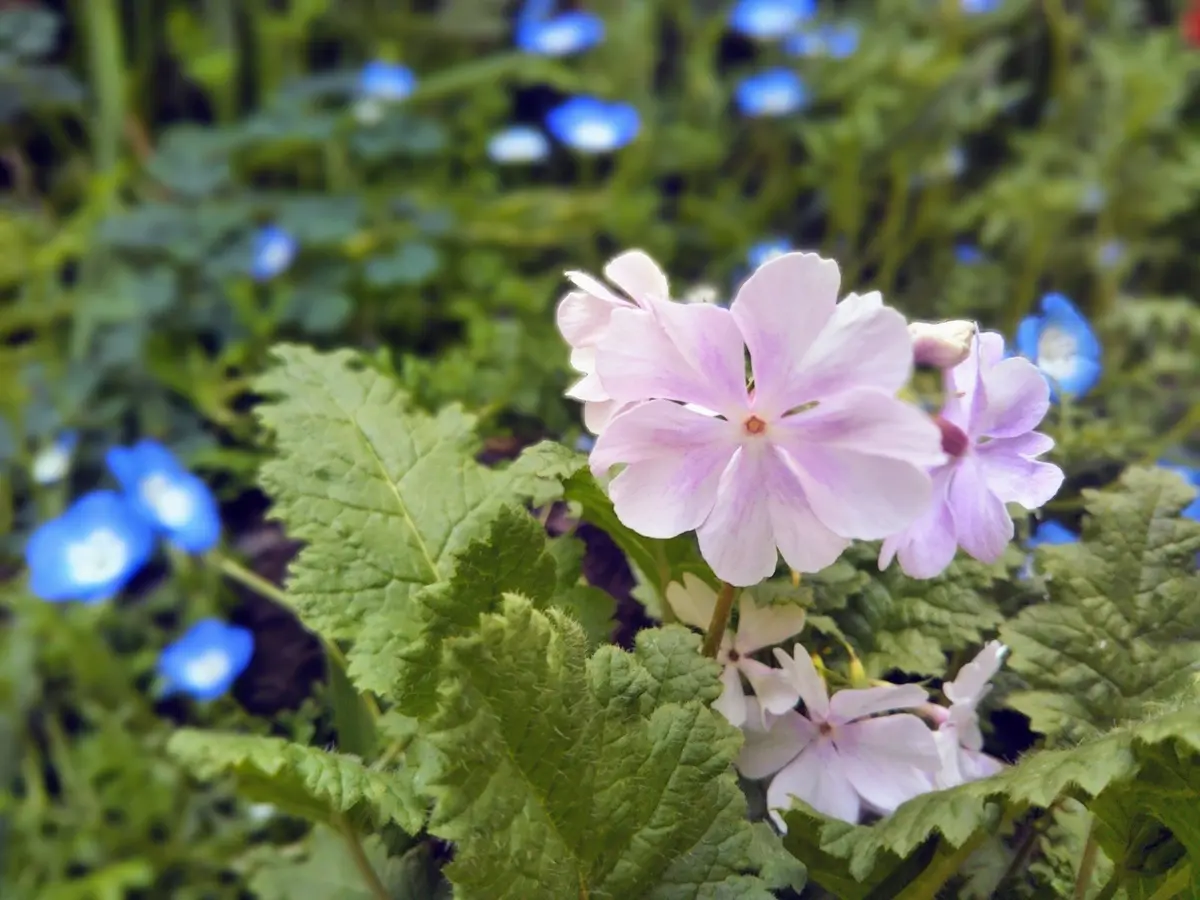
(867, 421)
(1015, 479)
(775, 694)
(597, 413)
(596, 288)
(663, 498)
(588, 388)
(972, 682)
(975, 765)
(708, 339)
(780, 310)
(864, 344)
(982, 523)
(889, 759)
(693, 601)
(763, 626)
(806, 544)
(1018, 397)
(736, 539)
(732, 702)
(855, 703)
(927, 546)
(767, 750)
(582, 317)
(661, 430)
(818, 778)
(638, 275)
(1031, 444)
(799, 670)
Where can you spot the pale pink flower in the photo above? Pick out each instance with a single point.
(820, 451)
(992, 406)
(757, 627)
(960, 741)
(583, 316)
(839, 757)
(941, 344)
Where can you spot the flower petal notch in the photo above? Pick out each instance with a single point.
(272, 253)
(206, 661)
(90, 552)
(818, 453)
(769, 20)
(518, 145)
(170, 498)
(591, 125)
(771, 93)
(1061, 343)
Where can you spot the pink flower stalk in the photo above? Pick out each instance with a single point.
(818, 452)
(757, 627)
(835, 757)
(959, 739)
(583, 316)
(992, 406)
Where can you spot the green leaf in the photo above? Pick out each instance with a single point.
(591, 607)
(412, 263)
(1121, 629)
(556, 781)
(304, 781)
(352, 719)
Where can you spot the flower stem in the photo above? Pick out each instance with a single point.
(1087, 865)
(719, 621)
(369, 876)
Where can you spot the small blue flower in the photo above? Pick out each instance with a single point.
(976, 7)
(766, 250)
(207, 660)
(955, 162)
(561, 35)
(518, 144)
(168, 496)
(90, 552)
(774, 92)
(52, 463)
(1192, 477)
(968, 254)
(274, 250)
(1062, 344)
(584, 443)
(389, 82)
(591, 125)
(1110, 254)
(768, 20)
(1093, 199)
(834, 41)
(1051, 532)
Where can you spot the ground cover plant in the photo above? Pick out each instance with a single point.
(604, 450)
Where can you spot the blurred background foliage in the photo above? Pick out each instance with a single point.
(962, 164)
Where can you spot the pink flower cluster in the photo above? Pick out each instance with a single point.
(773, 427)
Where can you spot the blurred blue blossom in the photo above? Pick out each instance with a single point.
(1051, 532)
(206, 660)
(561, 35)
(90, 552)
(967, 254)
(767, 249)
(592, 125)
(767, 20)
(955, 162)
(975, 7)
(1093, 199)
(834, 41)
(52, 463)
(1062, 344)
(1110, 253)
(518, 144)
(773, 92)
(272, 254)
(168, 496)
(386, 81)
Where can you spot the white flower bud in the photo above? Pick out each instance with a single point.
(942, 345)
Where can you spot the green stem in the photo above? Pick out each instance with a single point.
(1174, 885)
(106, 71)
(719, 621)
(369, 876)
(1110, 888)
(1087, 865)
(943, 867)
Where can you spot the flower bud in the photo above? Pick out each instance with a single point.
(942, 345)
(858, 674)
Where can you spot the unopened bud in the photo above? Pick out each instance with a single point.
(858, 674)
(942, 345)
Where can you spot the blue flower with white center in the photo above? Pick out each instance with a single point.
(976, 7)
(766, 250)
(168, 496)
(560, 35)
(1051, 532)
(1192, 477)
(90, 552)
(386, 82)
(591, 125)
(768, 20)
(1062, 344)
(774, 92)
(207, 660)
(968, 254)
(518, 144)
(833, 41)
(52, 463)
(272, 254)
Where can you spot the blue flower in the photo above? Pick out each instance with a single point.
(168, 496)
(1093, 199)
(834, 41)
(90, 552)
(967, 254)
(584, 443)
(975, 7)
(207, 660)
(768, 249)
(274, 250)
(561, 35)
(386, 81)
(1051, 532)
(774, 92)
(767, 20)
(52, 463)
(1062, 344)
(1192, 477)
(518, 144)
(1110, 253)
(591, 125)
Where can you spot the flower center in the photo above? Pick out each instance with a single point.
(594, 135)
(1057, 351)
(171, 503)
(733, 656)
(207, 669)
(754, 425)
(825, 729)
(98, 558)
(954, 440)
(780, 99)
(558, 38)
